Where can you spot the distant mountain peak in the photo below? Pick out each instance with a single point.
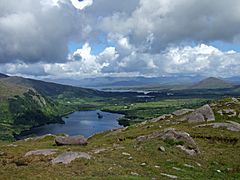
(212, 83)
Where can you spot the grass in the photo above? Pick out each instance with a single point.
(219, 158)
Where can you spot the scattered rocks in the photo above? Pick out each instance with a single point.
(188, 146)
(182, 112)
(44, 152)
(68, 157)
(235, 100)
(169, 176)
(230, 125)
(71, 140)
(202, 114)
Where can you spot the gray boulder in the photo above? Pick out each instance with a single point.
(202, 114)
(68, 157)
(172, 134)
(71, 140)
(230, 125)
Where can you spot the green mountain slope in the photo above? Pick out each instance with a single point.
(212, 83)
(50, 89)
(25, 103)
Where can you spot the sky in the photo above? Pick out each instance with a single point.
(94, 38)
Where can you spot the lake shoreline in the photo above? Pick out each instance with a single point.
(64, 119)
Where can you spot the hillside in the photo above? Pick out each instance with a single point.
(50, 89)
(212, 83)
(174, 146)
(25, 103)
(3, 75)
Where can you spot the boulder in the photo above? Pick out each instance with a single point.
(68, 157)
(71, 140)
(202, 114)
(230, 125)
(172, 134)
(230, 112)
(182, 112)
(44, 152)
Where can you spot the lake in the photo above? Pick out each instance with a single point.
(84, 123)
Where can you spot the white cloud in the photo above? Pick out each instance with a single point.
(201, 59)
(142, 37)
(81, 4)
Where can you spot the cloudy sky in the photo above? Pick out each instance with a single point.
(91, 38)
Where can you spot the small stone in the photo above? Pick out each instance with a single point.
(143, 164)
(162, 149)
(219, 171)
(157, 167)
(126, 154)
(188, 165)
(178, 169)
(134, 174)
(130, 158)
(97, 151)
(170, 176)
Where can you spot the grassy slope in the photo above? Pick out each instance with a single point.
(219, 158)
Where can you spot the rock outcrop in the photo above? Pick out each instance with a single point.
(202, 114)
(71, 140)
(177, 136)
(230, 125)
(68, 157)
(44, 152)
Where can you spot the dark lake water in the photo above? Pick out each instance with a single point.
(84, 123)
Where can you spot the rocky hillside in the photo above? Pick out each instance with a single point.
(201, 143)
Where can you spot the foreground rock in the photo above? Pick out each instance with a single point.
(230, 125)
(189, 145)
(68, 157)
(71, 140)
(202, 114)
(44, 152)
